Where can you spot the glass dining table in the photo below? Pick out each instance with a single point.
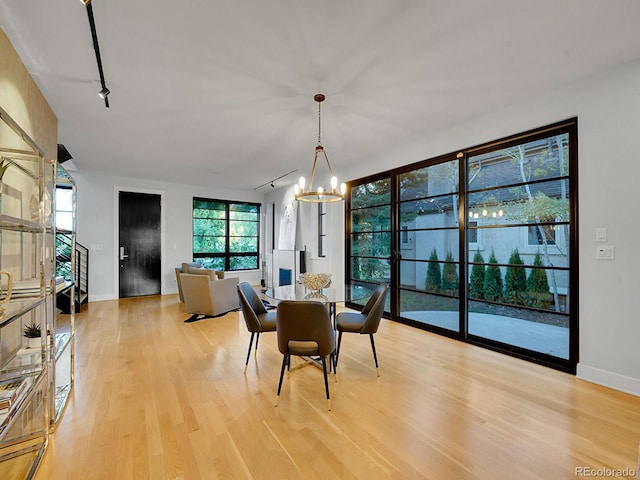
(330, 296)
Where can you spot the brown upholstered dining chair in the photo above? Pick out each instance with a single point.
(365, 322)
(304, 329)
(256, 315)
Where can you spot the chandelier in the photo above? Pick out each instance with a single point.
(320, 195)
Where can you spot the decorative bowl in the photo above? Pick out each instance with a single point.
(315, 281)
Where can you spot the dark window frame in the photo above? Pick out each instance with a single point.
(227, 255)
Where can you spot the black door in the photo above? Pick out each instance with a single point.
(139, 244)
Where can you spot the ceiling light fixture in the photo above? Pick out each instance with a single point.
(94, 35)
(320, 195)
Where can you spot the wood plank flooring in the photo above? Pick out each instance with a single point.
(158, 398)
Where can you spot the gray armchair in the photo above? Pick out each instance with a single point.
(207, 296)
(195, 268)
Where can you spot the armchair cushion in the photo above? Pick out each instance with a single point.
(206, 271)
(187, 265)
(203, 271)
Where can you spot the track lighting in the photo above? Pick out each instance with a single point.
(94, 36)
(272, 182)
(104, 92)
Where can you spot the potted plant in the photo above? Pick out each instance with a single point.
(33, 333)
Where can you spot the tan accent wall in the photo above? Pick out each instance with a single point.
(21, 98)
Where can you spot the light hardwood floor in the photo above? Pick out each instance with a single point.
(161, 399)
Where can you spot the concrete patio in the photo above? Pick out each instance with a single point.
(539, 337)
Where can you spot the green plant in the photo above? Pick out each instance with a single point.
(32, 330)
(515, 280)
(476, 282)
(537, 293)
(450, 276)
(492, 286)
(434, 277)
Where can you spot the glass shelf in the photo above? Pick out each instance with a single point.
(23, 418)
(15, 308)
(8, 222)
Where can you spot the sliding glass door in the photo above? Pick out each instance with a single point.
(369, 226)
(518, 237)
(479, 245)
(429, 245)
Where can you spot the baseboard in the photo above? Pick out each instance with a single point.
(101, 298)
(609, 379)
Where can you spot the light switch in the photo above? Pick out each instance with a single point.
(604, 252)
(601, 234)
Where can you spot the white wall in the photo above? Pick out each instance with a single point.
(97, 229)
(608, 111)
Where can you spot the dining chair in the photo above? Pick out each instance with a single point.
(365, 322)
(304, 329)
(256, 315)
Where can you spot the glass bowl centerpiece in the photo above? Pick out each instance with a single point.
(315, 281)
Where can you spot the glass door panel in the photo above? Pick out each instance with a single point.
(369, 238)
(542, 332)
(518, 245)
(429, 246)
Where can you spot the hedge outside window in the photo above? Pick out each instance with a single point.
(226, 234)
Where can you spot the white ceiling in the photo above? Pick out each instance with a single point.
(221, 93)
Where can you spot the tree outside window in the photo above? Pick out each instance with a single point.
(226, 234)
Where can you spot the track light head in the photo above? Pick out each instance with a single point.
(104, 92)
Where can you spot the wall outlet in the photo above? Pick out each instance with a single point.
(604, 252)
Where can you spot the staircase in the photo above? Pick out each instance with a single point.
(64, 246)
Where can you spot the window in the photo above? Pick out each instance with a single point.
(472, 232)
(226, 234)
(64, 208)
(322, 229)
(541, 234)
(404, 235)
(64, 228)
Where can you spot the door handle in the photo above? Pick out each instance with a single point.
(122, 255)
